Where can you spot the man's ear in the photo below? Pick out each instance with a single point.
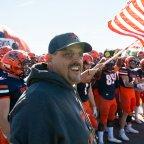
(49, 57)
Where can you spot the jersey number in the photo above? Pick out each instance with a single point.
(110, 79)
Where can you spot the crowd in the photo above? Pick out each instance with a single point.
(70, 95)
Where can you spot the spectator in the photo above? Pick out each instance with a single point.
(49, 111)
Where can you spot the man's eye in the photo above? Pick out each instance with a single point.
(81, 54)
(68, 55)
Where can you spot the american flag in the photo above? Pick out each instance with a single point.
(130, 20)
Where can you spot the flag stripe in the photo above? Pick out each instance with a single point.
(139, 4)
(130, 20)
(118, 27)
(128, 24)
(118, 30)
(137, 13)
(134, 20)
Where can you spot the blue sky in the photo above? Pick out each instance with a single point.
(38, 21)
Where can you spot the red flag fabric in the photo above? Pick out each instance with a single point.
(130, 20)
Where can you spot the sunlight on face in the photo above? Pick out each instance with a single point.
(68, 63)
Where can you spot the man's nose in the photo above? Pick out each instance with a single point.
(77, 57)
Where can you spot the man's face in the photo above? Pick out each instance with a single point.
(68, 63)
(141, 56)
(133, 64)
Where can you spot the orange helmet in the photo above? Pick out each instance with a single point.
(94, 54)
(4, 50)
(87, 58)
(130, 59)
(16, 62)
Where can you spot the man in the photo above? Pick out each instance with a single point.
(86, 94)
(49, 112)
(127, 81)
(106, 102)
(12, 85)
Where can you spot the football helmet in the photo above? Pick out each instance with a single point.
(4, 50)
(94, 54)
(131, 62)
(16, 62)
(88, 59)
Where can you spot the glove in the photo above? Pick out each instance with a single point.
(95, 113)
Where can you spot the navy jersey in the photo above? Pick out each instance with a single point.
(11, 87)
(107, 85)
(127, 72)
(83, 89)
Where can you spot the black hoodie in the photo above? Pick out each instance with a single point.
(48, 112)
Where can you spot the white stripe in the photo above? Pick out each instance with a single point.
(137, 13)
(127, 25)
(115, 26)
(140, 5)
(4, 91)
(131, 6)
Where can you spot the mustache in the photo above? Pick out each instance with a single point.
(75, 64)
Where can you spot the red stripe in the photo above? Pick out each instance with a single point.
(1, 97)
(136, 17)
(3, 86)
(115, 30)
(119, 24)
(134, 2)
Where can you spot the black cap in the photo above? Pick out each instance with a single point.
(62, 41)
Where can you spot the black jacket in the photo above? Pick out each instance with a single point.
(48, 112)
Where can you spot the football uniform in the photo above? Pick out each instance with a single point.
(11, 87)
(107, 103)
(83, 90)
(127, 94)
